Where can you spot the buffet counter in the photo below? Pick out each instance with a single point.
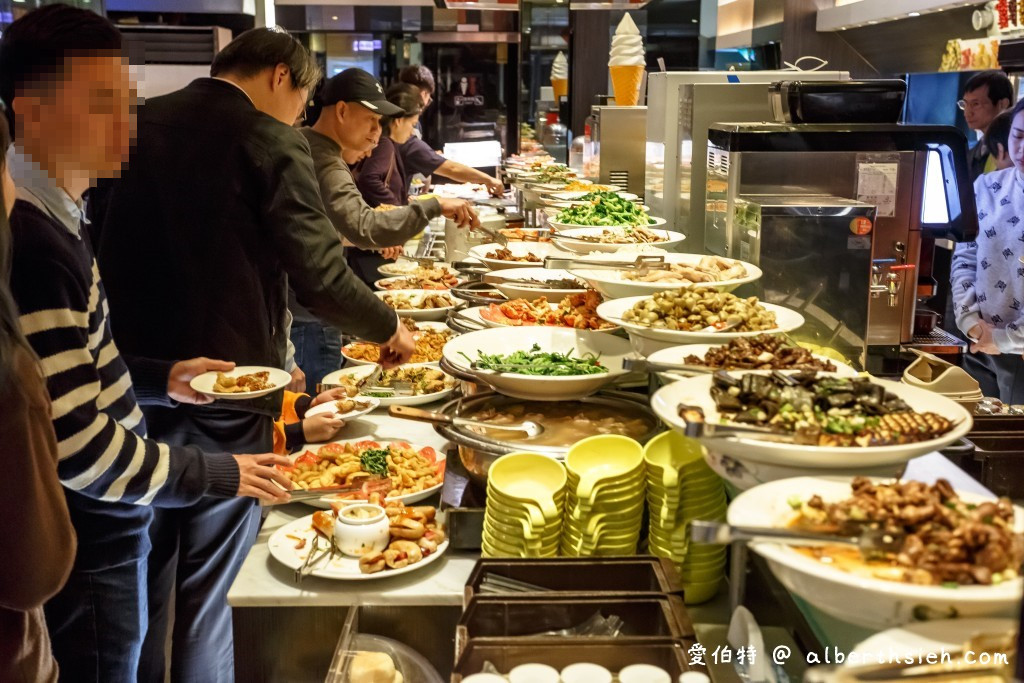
(274, 615)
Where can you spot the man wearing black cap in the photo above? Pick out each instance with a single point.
(218, 212)
(353, 104)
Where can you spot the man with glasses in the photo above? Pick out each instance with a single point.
(986, 95)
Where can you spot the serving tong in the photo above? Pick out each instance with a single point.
(643, 263)
(312, 559)
(529, 427)
(870, 542)
(696, 427)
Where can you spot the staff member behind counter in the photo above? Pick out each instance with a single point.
(417, 156)
(348, 127)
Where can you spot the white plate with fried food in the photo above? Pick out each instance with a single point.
(245, 381)
(430, 338)
(419, 304)
(679, 270)
(347, 408)
(429, 383)
(292, 544)
(413, 472)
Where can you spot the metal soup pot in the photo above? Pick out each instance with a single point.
(477, 451)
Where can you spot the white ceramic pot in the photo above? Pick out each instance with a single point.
(359, 535)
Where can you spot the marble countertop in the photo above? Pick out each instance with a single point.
(263, 582)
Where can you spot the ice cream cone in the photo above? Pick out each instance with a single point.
(560, 86)
(626, 84)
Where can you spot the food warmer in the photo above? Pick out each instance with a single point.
(618, 157)
(680, 107)
(770, 186)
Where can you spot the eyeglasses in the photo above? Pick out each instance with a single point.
(964, 105)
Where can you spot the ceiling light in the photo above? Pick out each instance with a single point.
(913, 14)
(335, 18)
(873, 21)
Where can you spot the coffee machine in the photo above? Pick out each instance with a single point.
(842, 218)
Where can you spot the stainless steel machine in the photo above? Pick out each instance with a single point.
(680, 107)
(842, 218)
(618, 146)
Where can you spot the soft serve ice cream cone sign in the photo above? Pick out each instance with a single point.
(626, 62)
(560, 76)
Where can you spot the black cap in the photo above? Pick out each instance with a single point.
(356, 85)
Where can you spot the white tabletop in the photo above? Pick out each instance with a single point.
(263, 582)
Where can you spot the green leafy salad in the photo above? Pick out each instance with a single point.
(604, 209)
(537, 362)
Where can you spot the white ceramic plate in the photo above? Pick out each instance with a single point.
(352, 414)
(417, 295)
(422, 324)
(562, 238)
(613, 285)
(341, 567)
(924, 637)
(550, 189)
(363, 370)
(406, 267)
(514, 291)
(476, 314)
(696, 391)
(610, 348)
(572, 197)
(409, 498)
(786, 319)
(677, 354)
(538, 249)
(204, 383)
(865, 601)
(383, 282)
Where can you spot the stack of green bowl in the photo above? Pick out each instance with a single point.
(605, 502)
(681, 488)
(525, 506)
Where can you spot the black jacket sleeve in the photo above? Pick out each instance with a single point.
(310, 250)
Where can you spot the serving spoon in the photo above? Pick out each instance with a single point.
(868, 541)
(530, 427)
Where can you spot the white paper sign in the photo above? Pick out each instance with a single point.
(876, 184)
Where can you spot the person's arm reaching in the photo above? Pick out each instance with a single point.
(468, 174)
(100, 456)
(312, 255)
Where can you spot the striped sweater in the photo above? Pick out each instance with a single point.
(110, 471)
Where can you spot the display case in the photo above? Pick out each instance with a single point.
(680, 107)
(916, 179)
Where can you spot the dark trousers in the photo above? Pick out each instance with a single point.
(365, 263)
(1001, 376)
(317, 351)
(197, 552)
(97, 622)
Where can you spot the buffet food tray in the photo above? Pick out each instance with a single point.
(496, 619)
(581, 577)
(669, 656)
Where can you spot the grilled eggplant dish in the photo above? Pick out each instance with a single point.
(824, 410)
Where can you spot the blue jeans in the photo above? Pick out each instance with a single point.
(198, 550)
(97, 622)
(317, 351)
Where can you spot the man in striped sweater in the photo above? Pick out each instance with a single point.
(63, 77)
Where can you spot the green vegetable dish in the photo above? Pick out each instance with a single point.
(375, 461)
(537, 362)
(605, 209)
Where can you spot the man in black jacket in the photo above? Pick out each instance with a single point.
(218, 212)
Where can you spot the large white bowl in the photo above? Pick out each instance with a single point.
(672, 239)
(647, 340)
(383, 282)
(417, 295)
(613, 285)
(514, 290)
(696, 391)
(865, 601)
(405, 267)
(476, 315)
(538, 249)
(678, 354)
(611, 349)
